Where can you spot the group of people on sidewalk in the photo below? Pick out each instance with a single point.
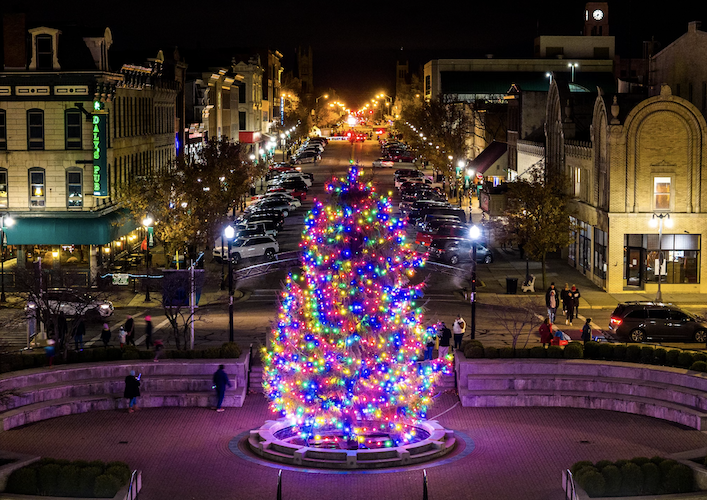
(569, 297)
(132, 388)
(445, 336)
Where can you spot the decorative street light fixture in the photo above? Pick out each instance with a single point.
(474, 234)
(5, 221)
(229, 233)
(658, 220)
(147, 223)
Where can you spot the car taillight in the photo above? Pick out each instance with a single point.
(615, 322)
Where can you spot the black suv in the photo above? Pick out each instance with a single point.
(638, 321)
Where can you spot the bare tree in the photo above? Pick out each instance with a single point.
(176, 288)
(519, 316)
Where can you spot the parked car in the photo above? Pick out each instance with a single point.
(282, 206)
(245, 248)
(383, 162)
(296, 192)
(262, 215)
(455, 250)
(72, 303)
(279, 195)
(306, 158)
(639, 321)
(417, 215)
(425, 238)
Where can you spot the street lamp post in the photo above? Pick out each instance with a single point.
(658, 220)
(5, 219)
(147, 223)
(474, 234)
(229, 233)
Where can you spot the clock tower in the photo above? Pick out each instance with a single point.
(596, 19)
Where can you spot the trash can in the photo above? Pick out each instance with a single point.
(511, 286)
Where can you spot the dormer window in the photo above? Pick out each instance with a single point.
(45, 53)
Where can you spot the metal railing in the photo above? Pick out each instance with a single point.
(570, 488)
(132, 487)
(250, 367)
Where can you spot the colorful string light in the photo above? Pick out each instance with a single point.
(349, 334)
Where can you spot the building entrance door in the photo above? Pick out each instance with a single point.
(634, 267)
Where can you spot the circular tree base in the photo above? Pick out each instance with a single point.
(276, 441)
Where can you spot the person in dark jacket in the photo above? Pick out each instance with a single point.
(79, 333)
(575, 296)
(129, 331)
(148, 332)
(587, 331)
(132, 391)
(444, 338)
(546, 332)
(220, 383)
(105, 334)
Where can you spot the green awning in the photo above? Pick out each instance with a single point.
(77, 230)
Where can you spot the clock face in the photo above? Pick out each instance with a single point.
(598, 15)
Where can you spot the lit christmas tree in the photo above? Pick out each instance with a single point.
(345, 350)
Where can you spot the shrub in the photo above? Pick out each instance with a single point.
(100, 355)
(28, 361)
(685, 359)
(23, 481)
(85, 356)
(699, 356)
(647, 355)
(612, 480)
(106, 486)
(538, 352)
(131, 353)
(582, 471)
(146, 354)
(506, 352)
(579, 465)
(87, 480)
(175, 354)
(233, 350)
(554, 351)
(466, 344)
(679, 479)
(606, 351)
(651, 478)
(659, 356)
(211, 353)
(491, 352)
(593, 483)
(121, 472)
(620, 463)
(671, 357)
(640, 460)
(48, 477)
(80, 463)
(633, 353)
(657, 460)
(631, 479)
(573, 350)
(699, 366)
(522, 353)
(475, 353)
(665, 465)
(619, 352)
(97, 463)
(591, 350)
(68, 480)
(603, 463)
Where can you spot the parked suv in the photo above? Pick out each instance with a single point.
(245, 248)
(638, 321)
(73, 303)
(455, 250)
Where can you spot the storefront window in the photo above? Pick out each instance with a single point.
(585, 241)
(680, 261)
(573, 242)
(600, 242)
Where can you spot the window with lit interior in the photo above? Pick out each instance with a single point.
(37, 193)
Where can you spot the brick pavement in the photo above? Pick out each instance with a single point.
(519, 452)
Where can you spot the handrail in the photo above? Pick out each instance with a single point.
(279, 485)
(424, 485)
(250, 367)
(132, 493)
(570, 488)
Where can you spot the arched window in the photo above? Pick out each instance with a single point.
(35, 129)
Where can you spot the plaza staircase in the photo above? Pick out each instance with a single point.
(28, 396)
(255, 384)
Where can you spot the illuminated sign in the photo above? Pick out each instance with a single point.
(100, 152)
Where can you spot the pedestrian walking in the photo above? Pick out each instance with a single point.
(430, 345)
(587, 331)
(545, 331)
(159, 349)
(445, 336)
(148, 332)
(563, 297)
(575, 296)
(552, 299)
(568, 304)
(130, 331)
(458, 328)
(220, 383)
(122, 335)
(132, 390)
(79, 332)
(50, 351)
(105, 334)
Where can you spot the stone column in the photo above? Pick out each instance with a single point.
(93, 264)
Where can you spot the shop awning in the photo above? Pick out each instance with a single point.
(69, 229)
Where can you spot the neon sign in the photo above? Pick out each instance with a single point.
(100, 153)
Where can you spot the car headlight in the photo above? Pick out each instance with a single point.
(105, 306)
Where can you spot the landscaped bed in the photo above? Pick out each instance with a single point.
(82, 479)
(638, 476)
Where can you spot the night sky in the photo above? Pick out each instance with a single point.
(356, 43)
